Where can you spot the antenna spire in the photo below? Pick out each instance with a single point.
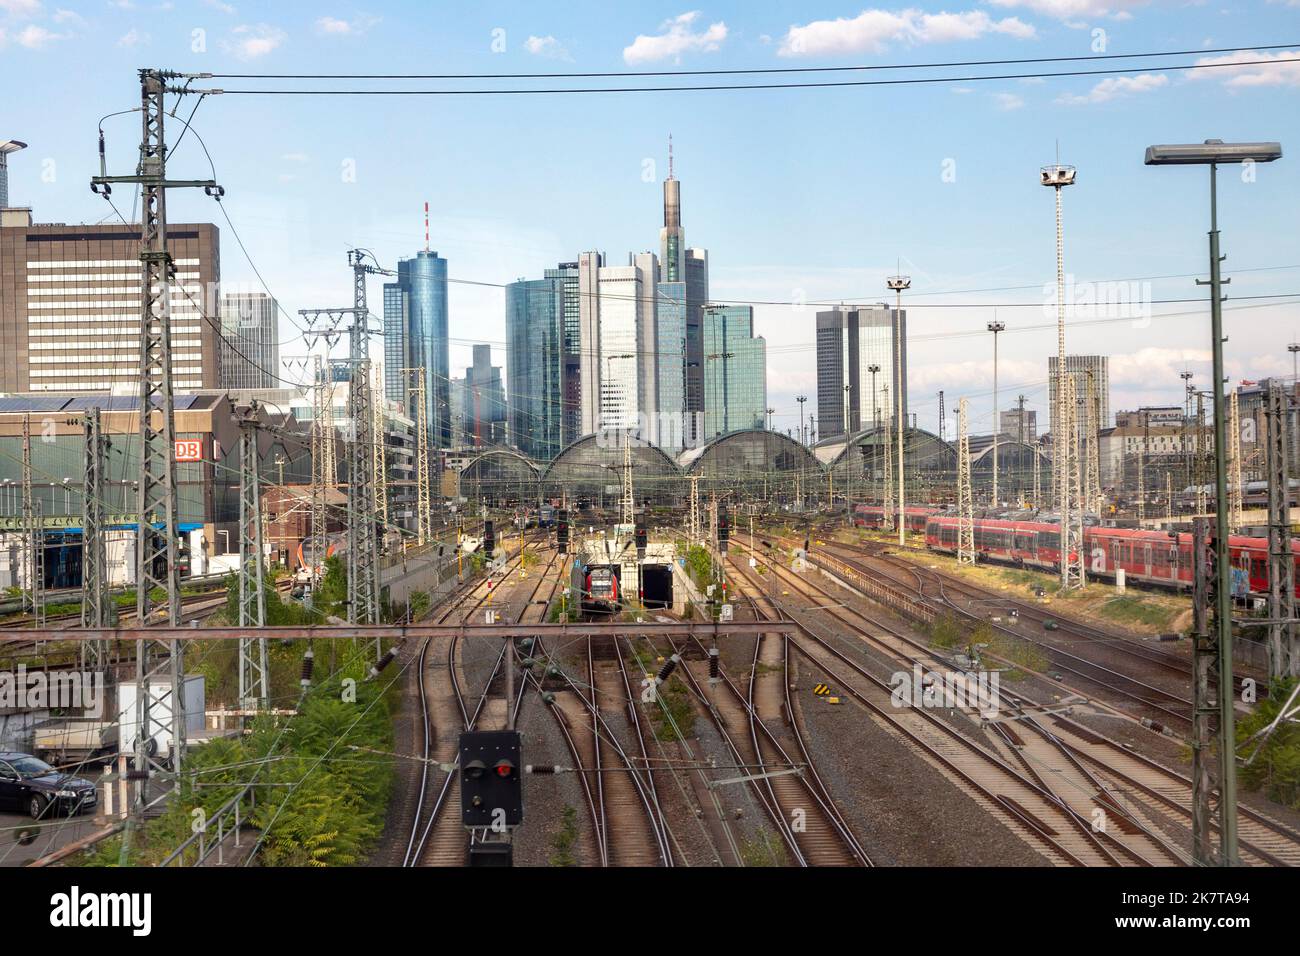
(670, 155)
(426, 225)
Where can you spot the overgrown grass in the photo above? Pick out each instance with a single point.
(1132, 609)
(319, 802)
(565, 839)
(760, 852)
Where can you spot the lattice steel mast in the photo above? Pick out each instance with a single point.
(157, 514)
(965, 500)
(254, 675)
(95, 599)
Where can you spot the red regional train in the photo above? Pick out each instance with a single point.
(1149, 557)
(873, 516)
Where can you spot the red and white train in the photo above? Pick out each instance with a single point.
(1150, 557)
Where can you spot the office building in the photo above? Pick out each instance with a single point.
(1020, 423)
(1080, 368)
(484, 401)
(416, 336)
(70, 306)
(543, 362)
(250, 346)
(850, 340)
(735, 374)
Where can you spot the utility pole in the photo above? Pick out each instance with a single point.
(943, 425)
(254, 670)
(322, 460)
(887, 512)
(995, 327)
(1058, 177)
(424, 505)
(803, 435)
(965, 501)
(629, 504)
(34, 535)
(363, 537)
(156, 562)
(95, 599)
(897, 283)
(695, 507)
(1205, 709)
(1283, 653)
(380, 463)
(875, 426)
(1234, 465)
(1092, 483)
(1072, 557)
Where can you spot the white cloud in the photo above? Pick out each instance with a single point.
(68, 16)
(1241, 77)
(253, 41)
(1009, 101)
(295, 157)
(1114, 87)
(357, 25)
(548, 47)
(133, 38)
(872, 31)
(35, 37)
(676, 39)
(21, 8)
(963, 90)
(1073, 9)
(223, 7)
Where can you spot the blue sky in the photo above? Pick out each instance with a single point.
(799, 195)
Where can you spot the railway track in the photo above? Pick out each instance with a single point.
(799, 806)
(436, 837)
(1133, 791)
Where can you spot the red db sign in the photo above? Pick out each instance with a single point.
(189, 449)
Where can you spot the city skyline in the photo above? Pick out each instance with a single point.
(295, 208)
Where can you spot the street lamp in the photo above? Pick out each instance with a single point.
(803, 436)
(995, 327)
(1211, 153)
(897, 284)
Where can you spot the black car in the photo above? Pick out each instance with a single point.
(30, 784)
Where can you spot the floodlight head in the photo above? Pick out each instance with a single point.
(1057, 175)
(898, 283)
(12, 146)
(996, 327)
(1212, 151)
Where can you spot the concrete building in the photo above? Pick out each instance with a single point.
(484, 401)
(851, 339)
(1079, 367)
(250, 341)
(619, 343)
(1020, 424)
(70, 306)
(1151, 416)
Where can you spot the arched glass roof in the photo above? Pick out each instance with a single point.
(591, 469)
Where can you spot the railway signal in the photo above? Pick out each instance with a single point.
(724, 528)
(562, 531)
(642, 540)
(491, 780)
(489, 538)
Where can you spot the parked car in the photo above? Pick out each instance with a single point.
(30, 784)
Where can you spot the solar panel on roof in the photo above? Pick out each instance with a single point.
(25, 403)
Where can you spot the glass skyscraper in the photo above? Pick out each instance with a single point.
(735, 373)
(416, 336)
(542, 362)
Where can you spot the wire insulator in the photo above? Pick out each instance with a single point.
(383, 662)
(308, 664)
(714, 667)
(669, 666)
(531, 768)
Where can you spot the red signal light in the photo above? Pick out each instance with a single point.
(505, 768)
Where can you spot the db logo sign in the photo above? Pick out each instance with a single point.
(189, 449)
